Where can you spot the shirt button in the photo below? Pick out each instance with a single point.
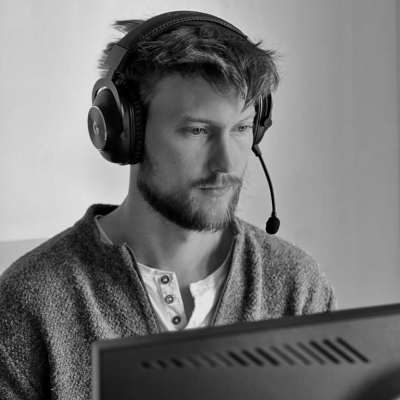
(165, 279)
(169, 299)
(176, 320)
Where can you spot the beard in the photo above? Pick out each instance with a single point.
(181, 207)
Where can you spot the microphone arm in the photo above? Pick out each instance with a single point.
(273, 222)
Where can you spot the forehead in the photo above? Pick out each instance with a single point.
(176, 97)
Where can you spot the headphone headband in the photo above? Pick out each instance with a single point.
(119, 54)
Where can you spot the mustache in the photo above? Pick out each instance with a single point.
(218, 181)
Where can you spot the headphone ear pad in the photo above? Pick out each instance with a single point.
(135, 122)
(262, 120)
(259, 129)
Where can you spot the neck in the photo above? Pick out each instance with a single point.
(159, 243)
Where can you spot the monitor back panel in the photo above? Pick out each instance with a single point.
(341, 358)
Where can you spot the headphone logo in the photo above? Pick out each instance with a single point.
(96, 129)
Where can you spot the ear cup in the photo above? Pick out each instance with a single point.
(105, 124)
(116, 122)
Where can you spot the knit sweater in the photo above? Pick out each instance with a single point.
(75, 289)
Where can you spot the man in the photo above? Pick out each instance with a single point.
(173, 255)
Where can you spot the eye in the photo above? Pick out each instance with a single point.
(244, 128)
(196, 131)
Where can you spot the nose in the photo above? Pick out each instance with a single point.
(222, 155)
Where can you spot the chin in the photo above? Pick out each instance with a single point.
(216, 211)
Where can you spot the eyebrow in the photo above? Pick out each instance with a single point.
(190, 118)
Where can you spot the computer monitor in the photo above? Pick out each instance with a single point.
(342, 355)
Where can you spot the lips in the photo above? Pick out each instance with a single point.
(215, 191)
(214, 187)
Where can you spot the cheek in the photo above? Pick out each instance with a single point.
(243, 151)
(166, 153)
(175, 164)
(184, 162)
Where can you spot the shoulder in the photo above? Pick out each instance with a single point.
(274, 248)
(52, 261)
(49, 284)
(288, 271)
(38, 302)
(36, 265)
(29, 289)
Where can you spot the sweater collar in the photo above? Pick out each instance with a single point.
(238, 302)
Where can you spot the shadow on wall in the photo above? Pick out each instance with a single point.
(11, 251)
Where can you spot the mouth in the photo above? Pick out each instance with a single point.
(215, 191)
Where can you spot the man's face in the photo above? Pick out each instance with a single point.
(197, 144)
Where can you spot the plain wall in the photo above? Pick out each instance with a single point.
(332, 152)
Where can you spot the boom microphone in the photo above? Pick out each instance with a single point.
(273, 222)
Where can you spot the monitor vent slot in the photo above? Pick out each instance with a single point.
(323, 352)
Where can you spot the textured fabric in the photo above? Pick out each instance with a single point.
(75, 289)
(205, 294)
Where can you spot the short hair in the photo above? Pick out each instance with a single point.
(217, 54)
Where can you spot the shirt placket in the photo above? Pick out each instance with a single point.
(172, 300)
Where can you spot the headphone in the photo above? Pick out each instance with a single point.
(116, 120)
